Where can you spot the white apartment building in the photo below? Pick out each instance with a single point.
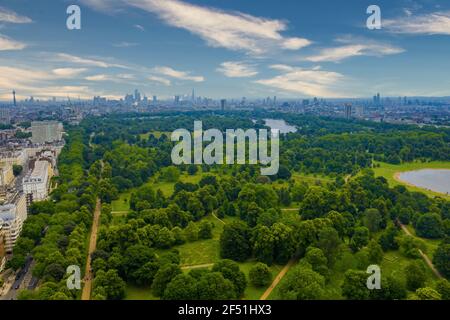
(6, 175)
(37, 182)
(2, 248)
(46, 131)
(12, 216)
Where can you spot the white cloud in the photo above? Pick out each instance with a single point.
(308, 82)
(236, 69)
(139, 27)
(112, 78)
(68, 72)
(429, 24)
(161, 80)
(181, 75)
(9, 16)
(225, 29)
(125, 44)
(352, 47)
(9, 44)
(86, 61)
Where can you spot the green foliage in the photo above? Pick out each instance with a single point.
(302, 283)
(429, 225)
(415, 275)
(428, 294)
(235, 241)
(260, 275)
(354, 286)
(441, 258)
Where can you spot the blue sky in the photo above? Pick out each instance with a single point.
(224, 48)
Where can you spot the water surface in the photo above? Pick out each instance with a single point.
(437, 180)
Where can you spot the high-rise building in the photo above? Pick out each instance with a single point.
(46, 131)
(177, 100)
(137, 96)
(193, 96)
(155, 99)
(223, 103)
(14, 98)
(348, 110)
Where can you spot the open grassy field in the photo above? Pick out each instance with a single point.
(202, 251)
(138, 293)
(389, 170)
(252, 292)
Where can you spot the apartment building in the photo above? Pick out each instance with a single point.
(36, 183)
(46, 131)
(12, 216)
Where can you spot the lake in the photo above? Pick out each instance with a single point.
(437, 180)
(280, 125)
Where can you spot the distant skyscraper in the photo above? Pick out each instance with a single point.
(223, 103)
(14, 98)
(193, 96)
(137, 96)
(155, 99)
(348, 110)
(177, 99)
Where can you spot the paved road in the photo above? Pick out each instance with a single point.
(20, 281)
(198, 266)
(88, 277)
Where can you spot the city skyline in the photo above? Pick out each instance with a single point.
(223, 49)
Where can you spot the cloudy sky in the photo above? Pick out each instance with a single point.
(224, 48)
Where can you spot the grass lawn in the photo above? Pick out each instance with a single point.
(311, 178)
(138, 293)
(389, 170)
(202, 251)
(430, 244)
(252, 292)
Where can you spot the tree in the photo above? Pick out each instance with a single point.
(441, 258)
(329, 242)
(355, 285)
(316, 258)
(428, 294)
(388, 240)
(144, 275)
(260, 275)
(170, 174)
(415, 275)
(284, 242)
(235, 241)
(110, 283)
(375, 252)
(429, 225)
(302, 283)
(360, 238)
(213, 286)
(230, 270)
(191, 231)
(443, 287)
(163, 277)
(192, 169)
(182, 287)
(263, 244)
(17, 170)
(205, 230)
(372, 219)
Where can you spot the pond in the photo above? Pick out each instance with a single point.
(280, 125)
(437, 180)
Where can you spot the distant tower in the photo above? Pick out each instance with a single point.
(348, 110)
(14, 98)
(193, 95)
(222, 104)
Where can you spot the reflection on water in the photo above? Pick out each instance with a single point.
(280, 125)
(432, 179)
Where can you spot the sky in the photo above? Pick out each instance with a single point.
(224, 48)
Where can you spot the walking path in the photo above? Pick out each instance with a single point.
(198, 266)
(278, 278)
(87, 288)
(424, 256)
